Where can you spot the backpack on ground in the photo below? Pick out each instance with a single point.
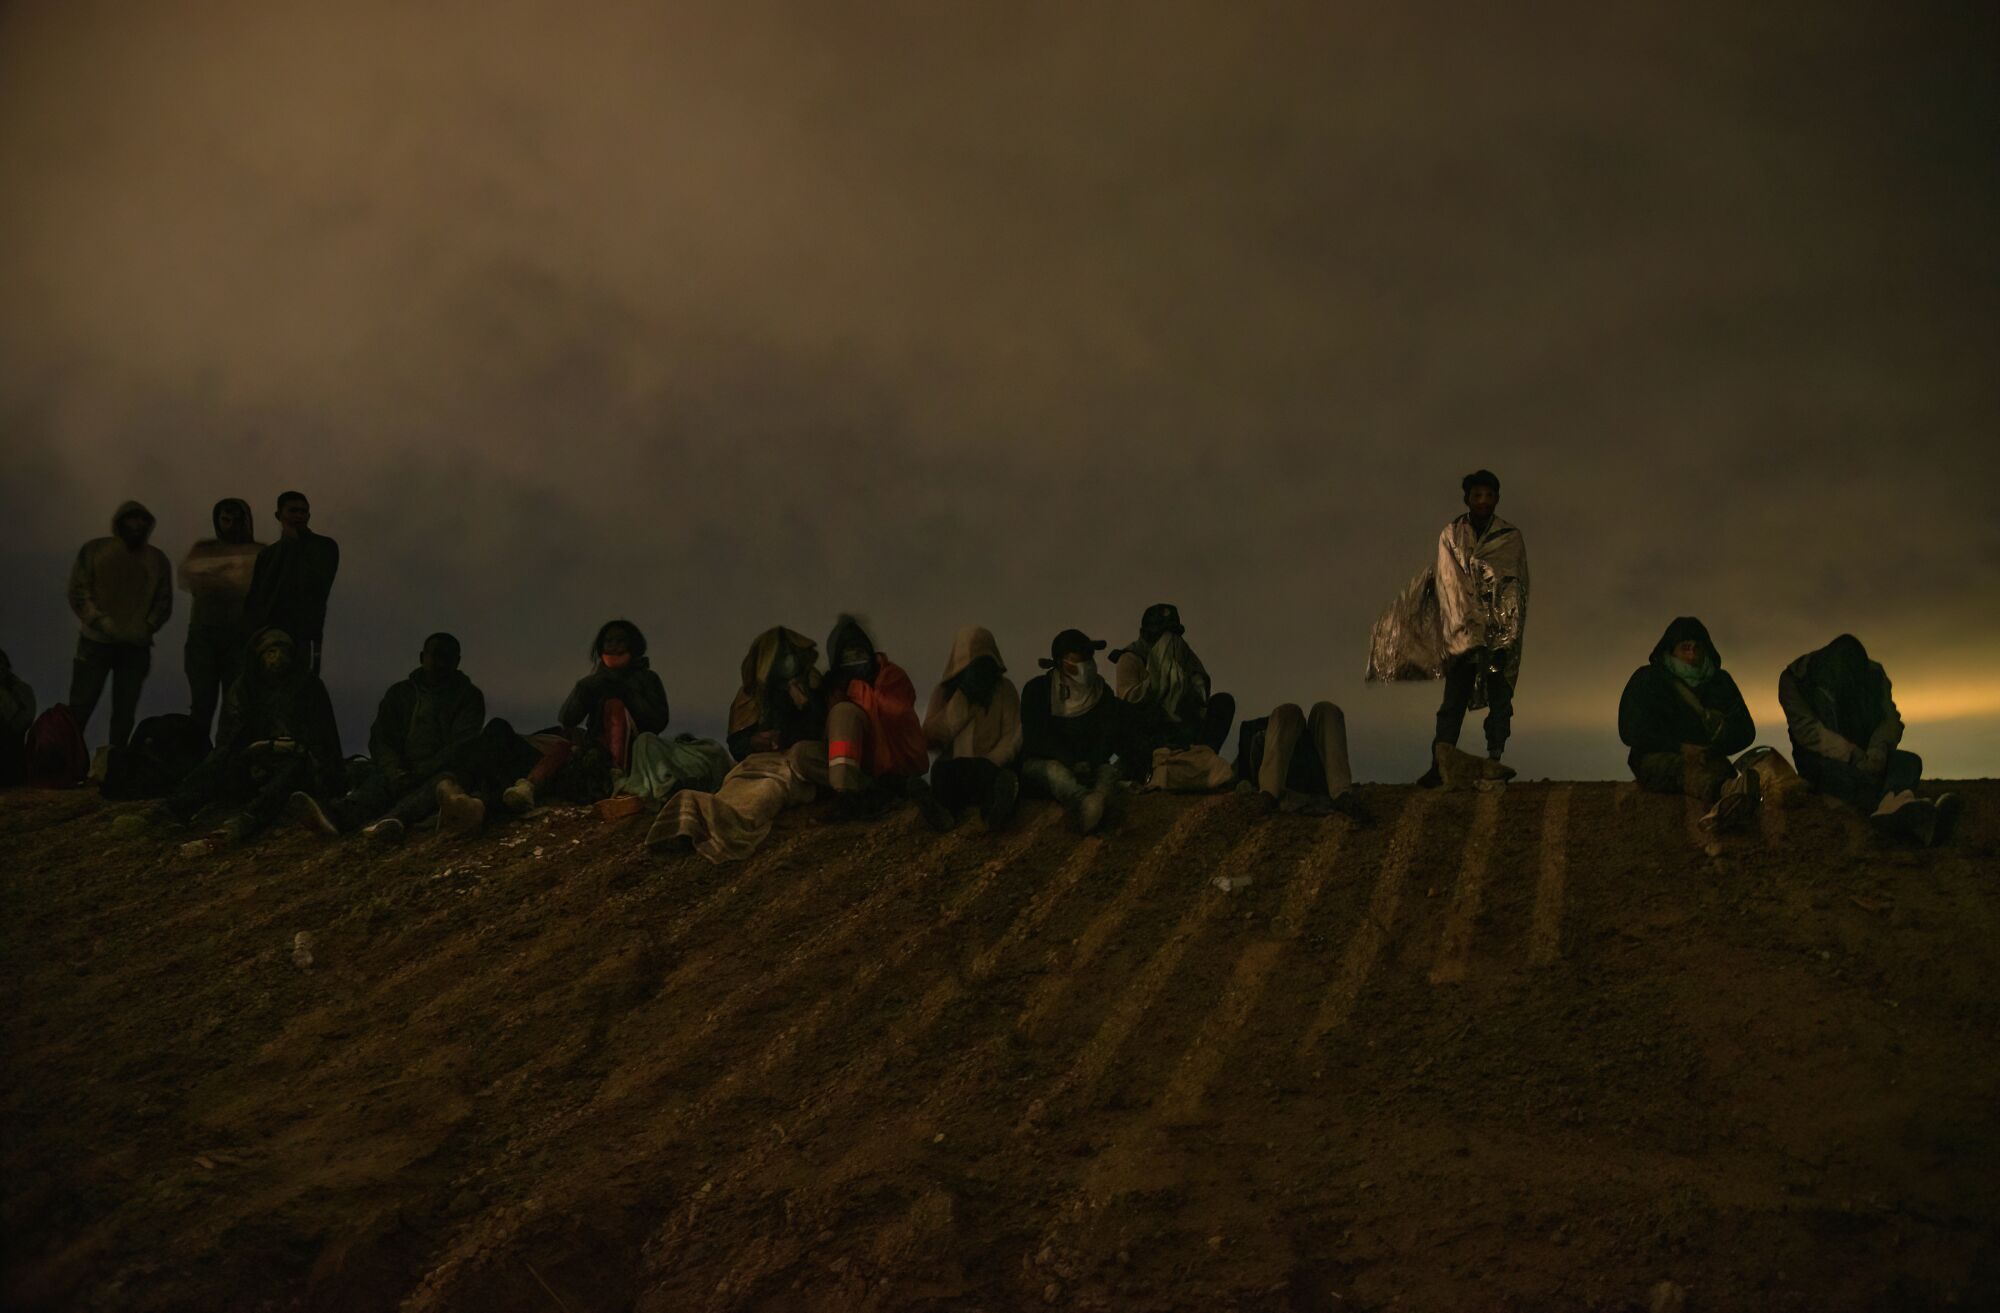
(164, 750)
(57, 758)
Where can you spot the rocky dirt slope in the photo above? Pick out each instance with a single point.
(1531, 1049)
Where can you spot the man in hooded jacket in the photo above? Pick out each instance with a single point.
(1846, 740)
(1684, 720)
(1071, 728)
(1167, 689)
(277, 737)
(121, 588)
(293, 579)
(974, 722)
(431, 750)
(216, 575)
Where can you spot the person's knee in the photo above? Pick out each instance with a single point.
(1328, 715)
(1285, 716)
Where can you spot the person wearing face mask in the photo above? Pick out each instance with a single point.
(122, 591)
(1167, 687)
(293, 579)
(779, 701)
(621, 698)
(1684, 720)
(1071, 727)
(875, 750)
(277, 737)
(431, 751)
(974, 723)
(1847, 740)
(216, 574)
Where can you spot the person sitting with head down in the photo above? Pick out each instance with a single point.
(1684, 721)
(974, 723)
(1071, 727)
(1847, 742)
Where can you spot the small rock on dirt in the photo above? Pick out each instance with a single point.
(1666, 1297)
(302, 950)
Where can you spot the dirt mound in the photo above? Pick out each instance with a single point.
(1528, 1049)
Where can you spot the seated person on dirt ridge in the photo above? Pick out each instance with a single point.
(777, 718)
(277, 737)
(875, 752)
(621, 698)
(1314, 782)
(1071, 727)
(431, 751)
(1684, 721)
(1167, 689)
(1846, 734)
(974, 722)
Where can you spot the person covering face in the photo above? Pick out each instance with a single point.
(778, 702)
(1167, 686)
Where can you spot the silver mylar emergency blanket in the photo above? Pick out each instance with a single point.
(1475, 597)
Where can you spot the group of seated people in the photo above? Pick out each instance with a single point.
(854, 733)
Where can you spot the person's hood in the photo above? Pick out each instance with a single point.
(847, 632)
(127, 508)
(1842, 664)
(637, 644)
(764, 652)
(242, 509)
(967, 646)
(267, 639)
(1683, 628)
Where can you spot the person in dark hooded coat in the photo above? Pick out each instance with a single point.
(216, 574)
(1846, 741)
(277, 737)
(621, 698)
(1683, 717)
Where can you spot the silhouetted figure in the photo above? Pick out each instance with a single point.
(17, 715)
(293, 579)
(277, 737)
(1684, 721)
(1071, 727)
(974, 723)
(216, 575)
(1846, 740)
(122, 590)
(1167, 688)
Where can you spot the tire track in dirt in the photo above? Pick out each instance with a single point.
(1375, 928)
(1545, 932)
(1462, 913)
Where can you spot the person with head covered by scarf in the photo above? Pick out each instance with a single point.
(974, 723)
(1072, 726)
(779, 701)
(216, 574)
(1847, 742)
(1168, 689)
(1684, 721)
(121, 588)
(621, 698)
(277, 737)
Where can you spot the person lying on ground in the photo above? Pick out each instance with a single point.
(1166, 689)
(216, 575)
(293, 579)
(974, 723)
(1846, 741)
(1071, 729)
(431, 751)
(874, 752)
(1684, 720)
(621, 698)
(1298, 761)
(277, 737)
(121, 588)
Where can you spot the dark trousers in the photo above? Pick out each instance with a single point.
(260, 783)
(963, 781)
(1672, 772)
(1855, 786)
(213, 657)
(125, 665)
(1219, 720)
(1460, 677)
(483, 766)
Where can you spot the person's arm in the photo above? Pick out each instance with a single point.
(582, 700)
(1007, 701)
(387, 735)
(1737, 731)
(1808, 731)
(1129, 672)
(1888, 732)
(946, 717)
(82, 584)
(895, 695)
(645, 696)
(1634, 713)
(162, 609)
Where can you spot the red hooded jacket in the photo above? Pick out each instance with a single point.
(896, 744)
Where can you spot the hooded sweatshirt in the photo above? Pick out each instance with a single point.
(634, 684)
(261, 706)
(896, 743)
(216, 573)
(960, 728)
(1838, 703)
(422, 718)
(290, 584)
(1665, 706)
(121, 595)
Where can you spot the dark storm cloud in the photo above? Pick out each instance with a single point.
(729, 316)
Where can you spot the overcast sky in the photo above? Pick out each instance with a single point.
(720, 316)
